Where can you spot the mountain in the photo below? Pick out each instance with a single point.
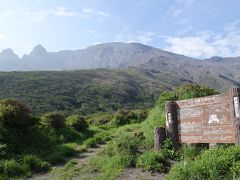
(107, 77)
(108, 55)
(8, 60)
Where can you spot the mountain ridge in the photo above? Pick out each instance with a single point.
(220, 73)
(106, 55)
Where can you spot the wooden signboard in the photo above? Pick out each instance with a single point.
(211, 119)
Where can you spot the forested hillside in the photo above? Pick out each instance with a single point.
(106, 90)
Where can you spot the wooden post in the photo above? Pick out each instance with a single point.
(159, 137)
(172, 122)
(235, 104)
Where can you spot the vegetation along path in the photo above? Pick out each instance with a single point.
(69, 170)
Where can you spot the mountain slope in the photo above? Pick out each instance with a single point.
(136, 75)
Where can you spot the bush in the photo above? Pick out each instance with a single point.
(3, 150)
(11, 168)
(153, 161)
(123, 117)
(192, 90)
(143, 115)
(190, 152)
(15, 114)
(53, 120)
(169, 151)
(77, 122)
(91, 142)
(33, 164)
(219, 163)
(59, 152)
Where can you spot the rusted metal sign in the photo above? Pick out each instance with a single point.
(211, 119)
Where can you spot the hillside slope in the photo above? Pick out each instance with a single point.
(90, 91)
(135, 76)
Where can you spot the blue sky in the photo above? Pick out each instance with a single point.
(196, 28)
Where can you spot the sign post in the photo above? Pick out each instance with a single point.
(211, 119)
(171, 122)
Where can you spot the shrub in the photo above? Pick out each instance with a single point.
(125, 145)
(123, 117)
(53, 120)
(91, 142)
(3, 150)
(143, 115)
(152, 160)
(219, 163)
(11, 168)
(33, 164)
(77, 122)
(169, 151)
(59, 152)
(192, 90)
(13, 113)
(190, 152)
(166, 96)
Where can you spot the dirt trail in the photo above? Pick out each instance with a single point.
(58, 171)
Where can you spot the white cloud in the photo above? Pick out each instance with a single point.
(2, 36)
(139, 36)
(61, 11)
(38, 16)
(86, 13)
(206, 44)
(92, 13)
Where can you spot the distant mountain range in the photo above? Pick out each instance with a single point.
(106, 77)
(218, 72)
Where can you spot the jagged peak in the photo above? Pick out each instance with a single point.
(8, 53)
(38, 50)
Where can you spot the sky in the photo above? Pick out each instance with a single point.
(195, 28)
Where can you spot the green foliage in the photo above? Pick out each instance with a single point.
(13, 113)
(80, 92)
(11, 168)
(3, 150)
(166, 96)
(99, 119)
(91, 142)
(169, 151)
(59, 152)
(33, 164)
(123, 117)
(77, 122)
(190, 152)
(153, 161)
(53, 120)
(156, 118)
(191, 91)
(120, 153)
(219, 163)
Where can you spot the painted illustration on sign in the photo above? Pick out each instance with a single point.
(213, 119)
